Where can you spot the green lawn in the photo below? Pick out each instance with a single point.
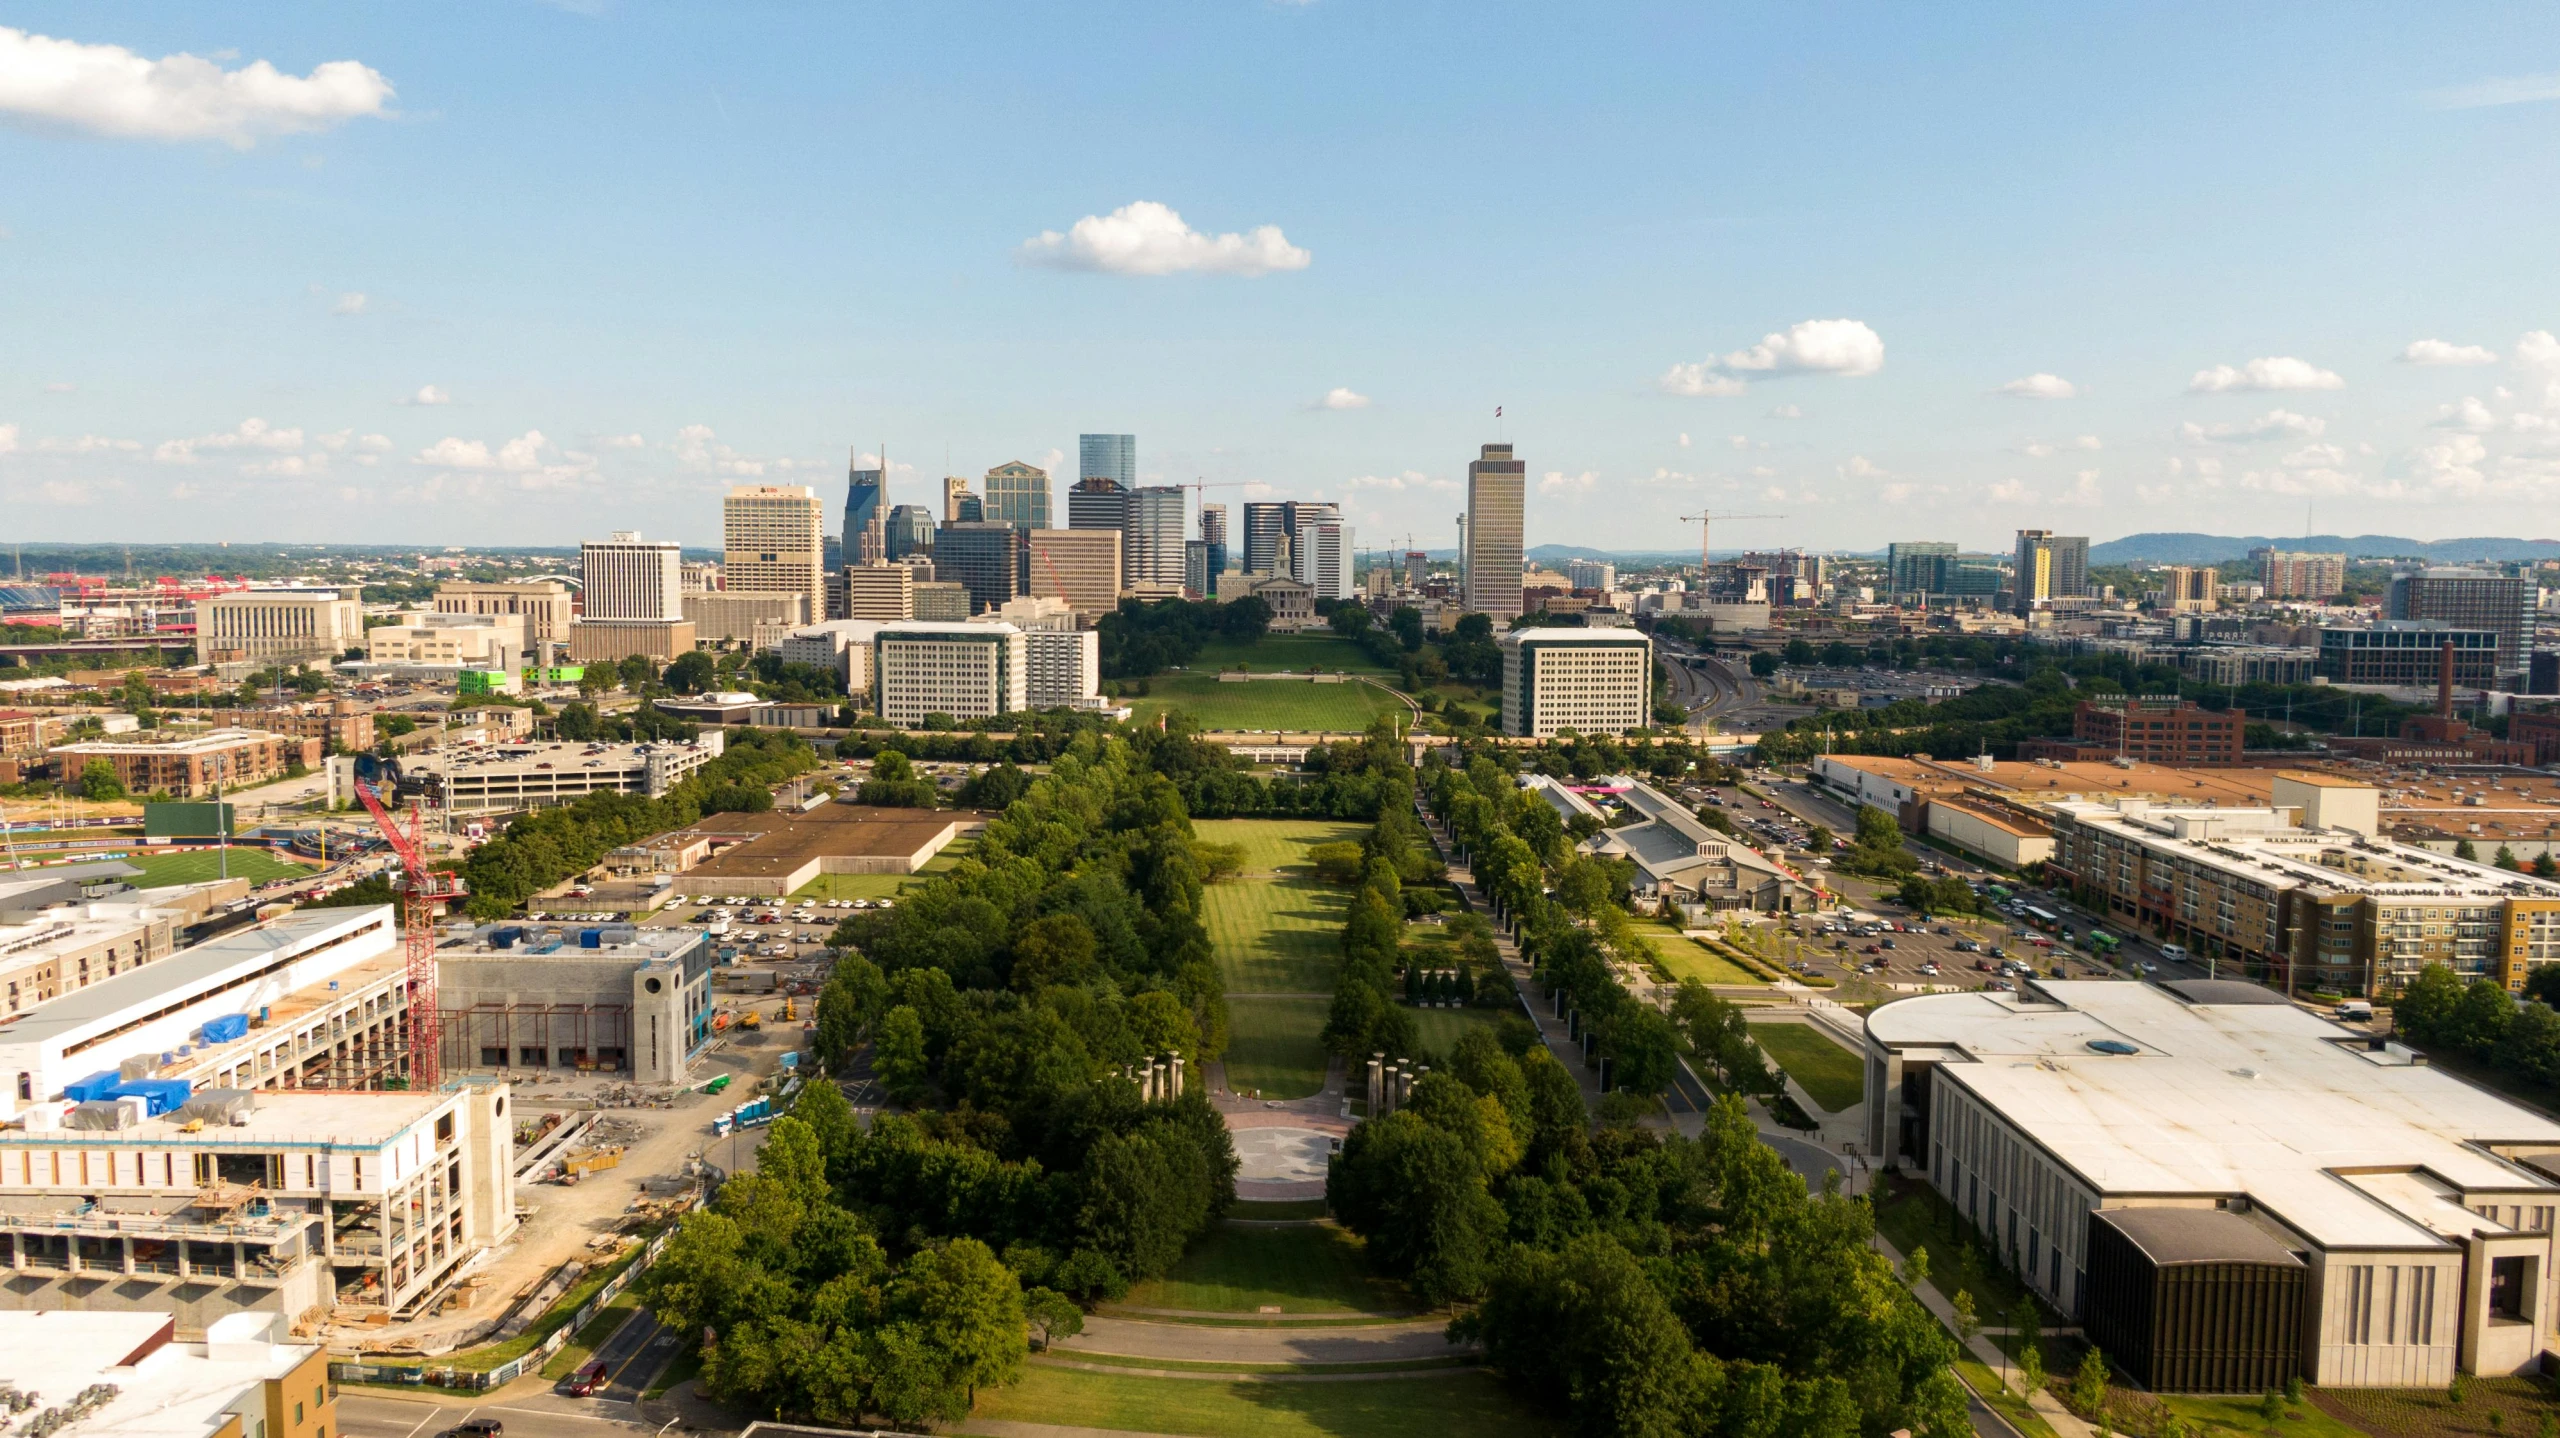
(196, 866)
(1273, 1045)
(879, 886)
(1273, 846)
(1276, 936)
(1440, 1029)
(1686, 958)
(1830, 1073)
(1344, 708)
(1301, 1268)
(1911, 1215)
(1472, 1403)
(1274, 652)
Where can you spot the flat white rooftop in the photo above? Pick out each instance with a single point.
(190, 974)
(2349, 1146)
(298, 1118)
(166, 1390)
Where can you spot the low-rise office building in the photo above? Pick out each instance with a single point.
(259, 627)
(609, 998)
(2407, 653)
(2223, 1190)
(771, 854)
(965, 671)
(941, 601)
(1676, 856)
(610, 641)
(1593, 681)
(753, 618)
(504, 778)
(238, 1202)
(883, 593)
(445, 641)
(840, 646)
(1063, 668)
(128, 1375)
(544, 605)
(189, 764)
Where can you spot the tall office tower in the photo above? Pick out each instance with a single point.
(984, 556)
(1320, 552)
(1912, 566)
(1018, 494)
(1108, 456)
(866, 512)
(1101, 502)
(774, 536)
(973, 510)
(910, 530)
(1081, 566)
(1497, 486)
(1196, 580)
(2466, 598)
(2188, 588)
(1213, 534)
(1153, 552)
(2050, 566)
(1265, 525)
(1417, 568)
(954, 490)
(1591, 574)
(627, 577)
(2300, 576)
(880, 591)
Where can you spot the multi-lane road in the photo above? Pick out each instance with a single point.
(1705, 685)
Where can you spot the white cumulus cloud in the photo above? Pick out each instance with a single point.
(1861, 467)
(2039, 386)
(2445, 352)
(352, 302)
(1147, 238)
(2469, 414)
(2274, 424)
(1341, 397)
(1835, 347)
(8, 438)
(251, 434)
(1787, 411)
(429, 394)
(1559, 482)
(110, 90)
(2278, 372)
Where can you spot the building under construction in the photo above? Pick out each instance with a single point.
(298, 1203)
(611, 998)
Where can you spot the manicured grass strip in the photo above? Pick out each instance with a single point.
(1275, 936)
(1830, 1073)
(1686, 958)
(1440, 1029)
(2004, 1400)
(1297, 706)
(1470, 1402)
(853, 886)
(1274, 652)
(1277, 845)
(1911, 1215)
(1273, 1045)
(1181, 1365)
(1248, 1321)
(1314, 1268)
(599, 1330)
(1277, 1210)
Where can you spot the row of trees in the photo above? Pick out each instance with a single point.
(2485, 1023)
(1365, 1017)
(549, 845)
(1139, 639)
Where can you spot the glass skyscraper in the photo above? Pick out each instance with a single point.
(866, 512)
(1108, 456)
(1018, 494)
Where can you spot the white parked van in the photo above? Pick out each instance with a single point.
(2354, 1011)
(2172, 952)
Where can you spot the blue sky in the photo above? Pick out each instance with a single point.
(2282, 261)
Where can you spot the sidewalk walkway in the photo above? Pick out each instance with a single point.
(2047, 1407)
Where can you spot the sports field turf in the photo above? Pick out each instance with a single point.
(1829, 1072)
(1472, 1403)
(1273, 1045)
(1296, 706)
(1274, 652)
(1298, 1268)
(196, 866)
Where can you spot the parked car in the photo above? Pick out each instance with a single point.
(587, 1380)
(479, 1428)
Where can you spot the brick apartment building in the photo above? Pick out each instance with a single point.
(2155, 731)
(189, 765)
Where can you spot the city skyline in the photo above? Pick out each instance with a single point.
(373, 316)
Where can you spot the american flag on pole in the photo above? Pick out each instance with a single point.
(1497, 411)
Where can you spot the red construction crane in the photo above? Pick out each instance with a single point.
(421, 889)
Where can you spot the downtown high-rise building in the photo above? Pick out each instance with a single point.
(1099, 502)
(2289, 575)
(1320, 553)
(2467, 598)
(910, 530)
(1266, 526)
(1213, 539)
(1108, 456)
(1152, 553)
(627, 577)
(1017, 494)
(2051, 566)
(866, 512)
(986, 556)
(955, 491)
(773, 538)
(1497, 487)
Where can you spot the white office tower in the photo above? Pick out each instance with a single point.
(1320, 553)
(1065, 668)
(1153, 552)
(1592, 574)
(1592, 681)
(627, 577)
(775, 541)
(966, 671)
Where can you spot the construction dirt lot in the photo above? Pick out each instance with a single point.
(557, 1222)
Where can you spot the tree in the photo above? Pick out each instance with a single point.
(1968, 1325)
(2425, 1008)
(898, 1055)
(2546, 867)
(1415, 1193)
(2482, 1016)
(693, 672)
(98, 781)
(635, 672)
(2506, 859)
(1052, 1315)
(2465, 849)
(1764, 664)
(2089, 1384)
